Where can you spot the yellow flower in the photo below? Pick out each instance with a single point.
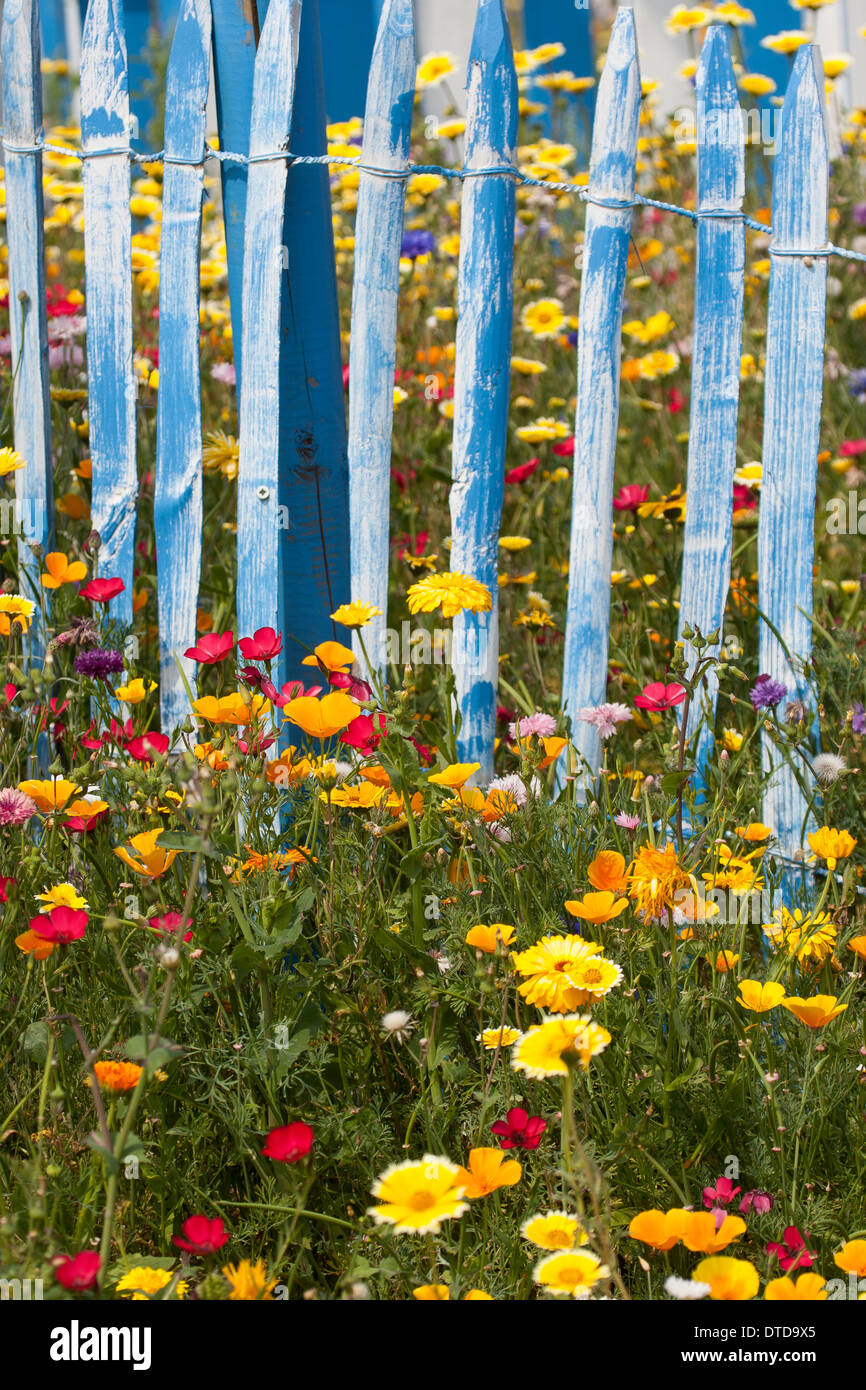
(450, 592)
(597, 907)
(754, 832)
(550, 1048)
(730, 1280)
(724, 961)
(489, 938)
(514, 543)
(852, 1258)
(51, 794)
(149, 861)
(434, 69)
(249, 1282)
(61, 571)
(134, 691)
(432, 1293)
(117, 1076)
(526, 366)
(788, 41)
(656, 326)
(142, 1283)
(10, 461)
(572, 1273)
(732, 740)
(493, 1038)
(546, 966)
(321, 718)
(455, 775)
(760, 998)
(808, 938)
(734, 14)
(355, 615)
(655, 879)
(488, 1170)
(814, 1012)
(220, 454)
(832, 845)
(15, 611)
(332, 655)
(555, 1230)
(660, 1229)
(62, 895)
(810, 1287)
(418, 1195)
(543, 318)
(659, 363)
(700, 1232)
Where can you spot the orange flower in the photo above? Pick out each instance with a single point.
(61, 571)
(34, 945)
(488, 938)
(852, 1258)
(858, 944)
(455, 775)
(117, 1076)
(552, 749)
(597, 907)
(809, 1287)
(488, 1169)
(333, 655)
(701, 1234)
(149, 861)
(607, 871)
(51, 794)
(660, 1229)
(814, 1012)
(321, 718)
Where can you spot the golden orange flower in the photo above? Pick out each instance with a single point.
(117, 1076)
(607, 872)
(148, 860)
(488, 1170)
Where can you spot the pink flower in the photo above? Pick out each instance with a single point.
(563, 448)
(213, 647)
(604, 717)
(361, 734)
(756, 1200)
(722, 1194)
(522, 471)
(61, 924)
(77, 1272)
(170, 923)
(202, 1236)
(792, 1253)
(289, 1143)
(224, 372)
(657, 696)
(6, 882)
(101, 590)
(629, 498)
(143, 747)
(519, 1130)
(542, 724)
(264, 645)
(355, 688)
(15, 807)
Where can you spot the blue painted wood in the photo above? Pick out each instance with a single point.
(349, 30)
(482, 371)
(716, 346)
(314, 467)
(563, 21)
(771, 17)
(108, 257)
(53, 28)
(373, 356)
(31, 417)
(259, 593)
(177, 508)
(792, 416)
(605, 260)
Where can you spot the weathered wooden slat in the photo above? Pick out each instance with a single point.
(108, 257)
(605, 260)
(22, 129)
(716, 344)
(373, 356)
(482, 370)
(177, 508)
(259, 592)
(792, 416)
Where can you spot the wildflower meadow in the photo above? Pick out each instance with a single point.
(298, 1001)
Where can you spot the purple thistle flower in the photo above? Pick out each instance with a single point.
(767, 693)
(99, 663)
(858, 720)
(15, 807)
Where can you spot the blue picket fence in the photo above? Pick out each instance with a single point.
(297, 458)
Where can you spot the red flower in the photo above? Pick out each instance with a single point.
(101, 590)
(355, 688)
(256, 747)
(629, 498)
(657, 696)
(264, 645)
(61, 924)
(9, 693)
(203, 1237)
(720, 1195)
(743, 499)
(82, 825)
(5, 884)
(170, 922)
(361, 734)
(79, 1271)
(289, 1143)
(145, 745)
(676, 401)
(793, 1253)
(519, 1130)
(564, 448)
(852, 448)
(522, 471)
(211, 648)
(423, 751)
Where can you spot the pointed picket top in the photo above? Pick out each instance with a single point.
(187, 74)
(104, 80)
(799, 210)
(721, 147)
(373, 342)
(22, 97)
(273, 97)
(599, 352)
(482, 371)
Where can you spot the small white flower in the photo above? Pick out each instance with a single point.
(397, 1025)
(686, 1288)
(828, 767)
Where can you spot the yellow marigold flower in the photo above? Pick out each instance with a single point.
(148, 860)
(730, 1280)
(249, 1282)
(542, 429)
(488, 1170)
(51, 794)
(434, 69)
(62, 895)
(514, 543)
(15, 611)
(418, 1195)
(700, 1232)
(493, 1038)
(117, 1076)
(814, 1012)
(134, 691)
(543, 318)
(61, 570)
(660, 1229)
(355, 615)
(734, 14)
(489, 938)
(455, 775)
(732, 740)
(546, 966)
(852, 1258)
(526, 366)
(220, 454)
(597, 907)
(10, 461)
(660, 363)
(809, 1287)
(551, 1047)
(554, 1230)
(451, 593)
(760, 998)
(655, 879)
(142, 1282)
(571, 1273)
(656, 326)
(756, 84)
(832, 845)
(607, 872)
(358, 797)
(724, 961)
(801, 935)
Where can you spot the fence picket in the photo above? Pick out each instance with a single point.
(482, 370)
(22, 128)
(792, 416)
(605, 260)
(373, 354)
(108, 257)
(259, 594)
(716, 343)
(177, 506)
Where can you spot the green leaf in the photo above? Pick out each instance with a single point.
(189, 844)
(672, 781)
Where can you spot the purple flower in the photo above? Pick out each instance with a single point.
(858, 213)
(857, 384)
(766, 693)
(224, 372)
(757, 1201)
(99, 663)
(417, 242)
(858, 720)
(15, 807)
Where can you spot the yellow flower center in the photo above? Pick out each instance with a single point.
(421, 1200)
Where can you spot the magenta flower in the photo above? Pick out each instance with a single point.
(211, 648)
(519, 1130)
(362, 734)
(722, 1194)
(658, 696)
(264, 645)
(170, 923)
(792, 1250)
(201, 1236)
(756, 1200)
(629, 498)
(61, 924)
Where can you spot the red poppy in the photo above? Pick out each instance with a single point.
(82, 825)
(744, 499)
(522, 471)
(519, 1130)
(101, 590)
(61, 924)
(629, 498)
(676, 401)
(563, 448)
(5, 884)
(211, 648)
(170, 923)
(77, 1272)
(792, 1252)
(264, 645)
(144, 746)
(355, 689)
(9, 693)
(657, 696)
(256, 746)
(203, 1237)
(361, 734)
(289, 1143)
(424, 753)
